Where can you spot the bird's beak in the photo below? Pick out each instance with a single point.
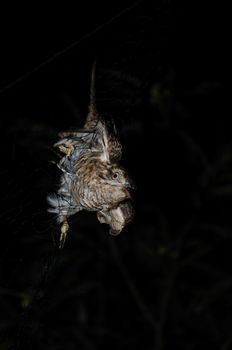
(130, 184)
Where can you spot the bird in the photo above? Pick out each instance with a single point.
(92, 178)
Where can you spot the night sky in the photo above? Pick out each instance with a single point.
(165, 282)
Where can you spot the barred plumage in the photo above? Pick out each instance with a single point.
(91, 177)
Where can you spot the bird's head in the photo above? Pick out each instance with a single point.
(105, 184)
(116, 180)
(119, 177)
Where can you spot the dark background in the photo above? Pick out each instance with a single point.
(165, 282)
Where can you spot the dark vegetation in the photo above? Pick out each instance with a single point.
(165, 282)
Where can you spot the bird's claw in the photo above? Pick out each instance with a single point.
(63, 233)
(67, 150)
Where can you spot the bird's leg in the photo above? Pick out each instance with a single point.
(67, 150)
(63, 233)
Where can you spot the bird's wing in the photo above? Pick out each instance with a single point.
(105, 143)
(62, 206)
(62, 203)
(98, 142)
(94, 139)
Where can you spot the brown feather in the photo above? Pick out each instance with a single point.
(92, 116)
(91, 177)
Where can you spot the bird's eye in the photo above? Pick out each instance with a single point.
(115, 175)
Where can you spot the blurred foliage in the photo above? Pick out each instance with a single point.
(165, 282)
